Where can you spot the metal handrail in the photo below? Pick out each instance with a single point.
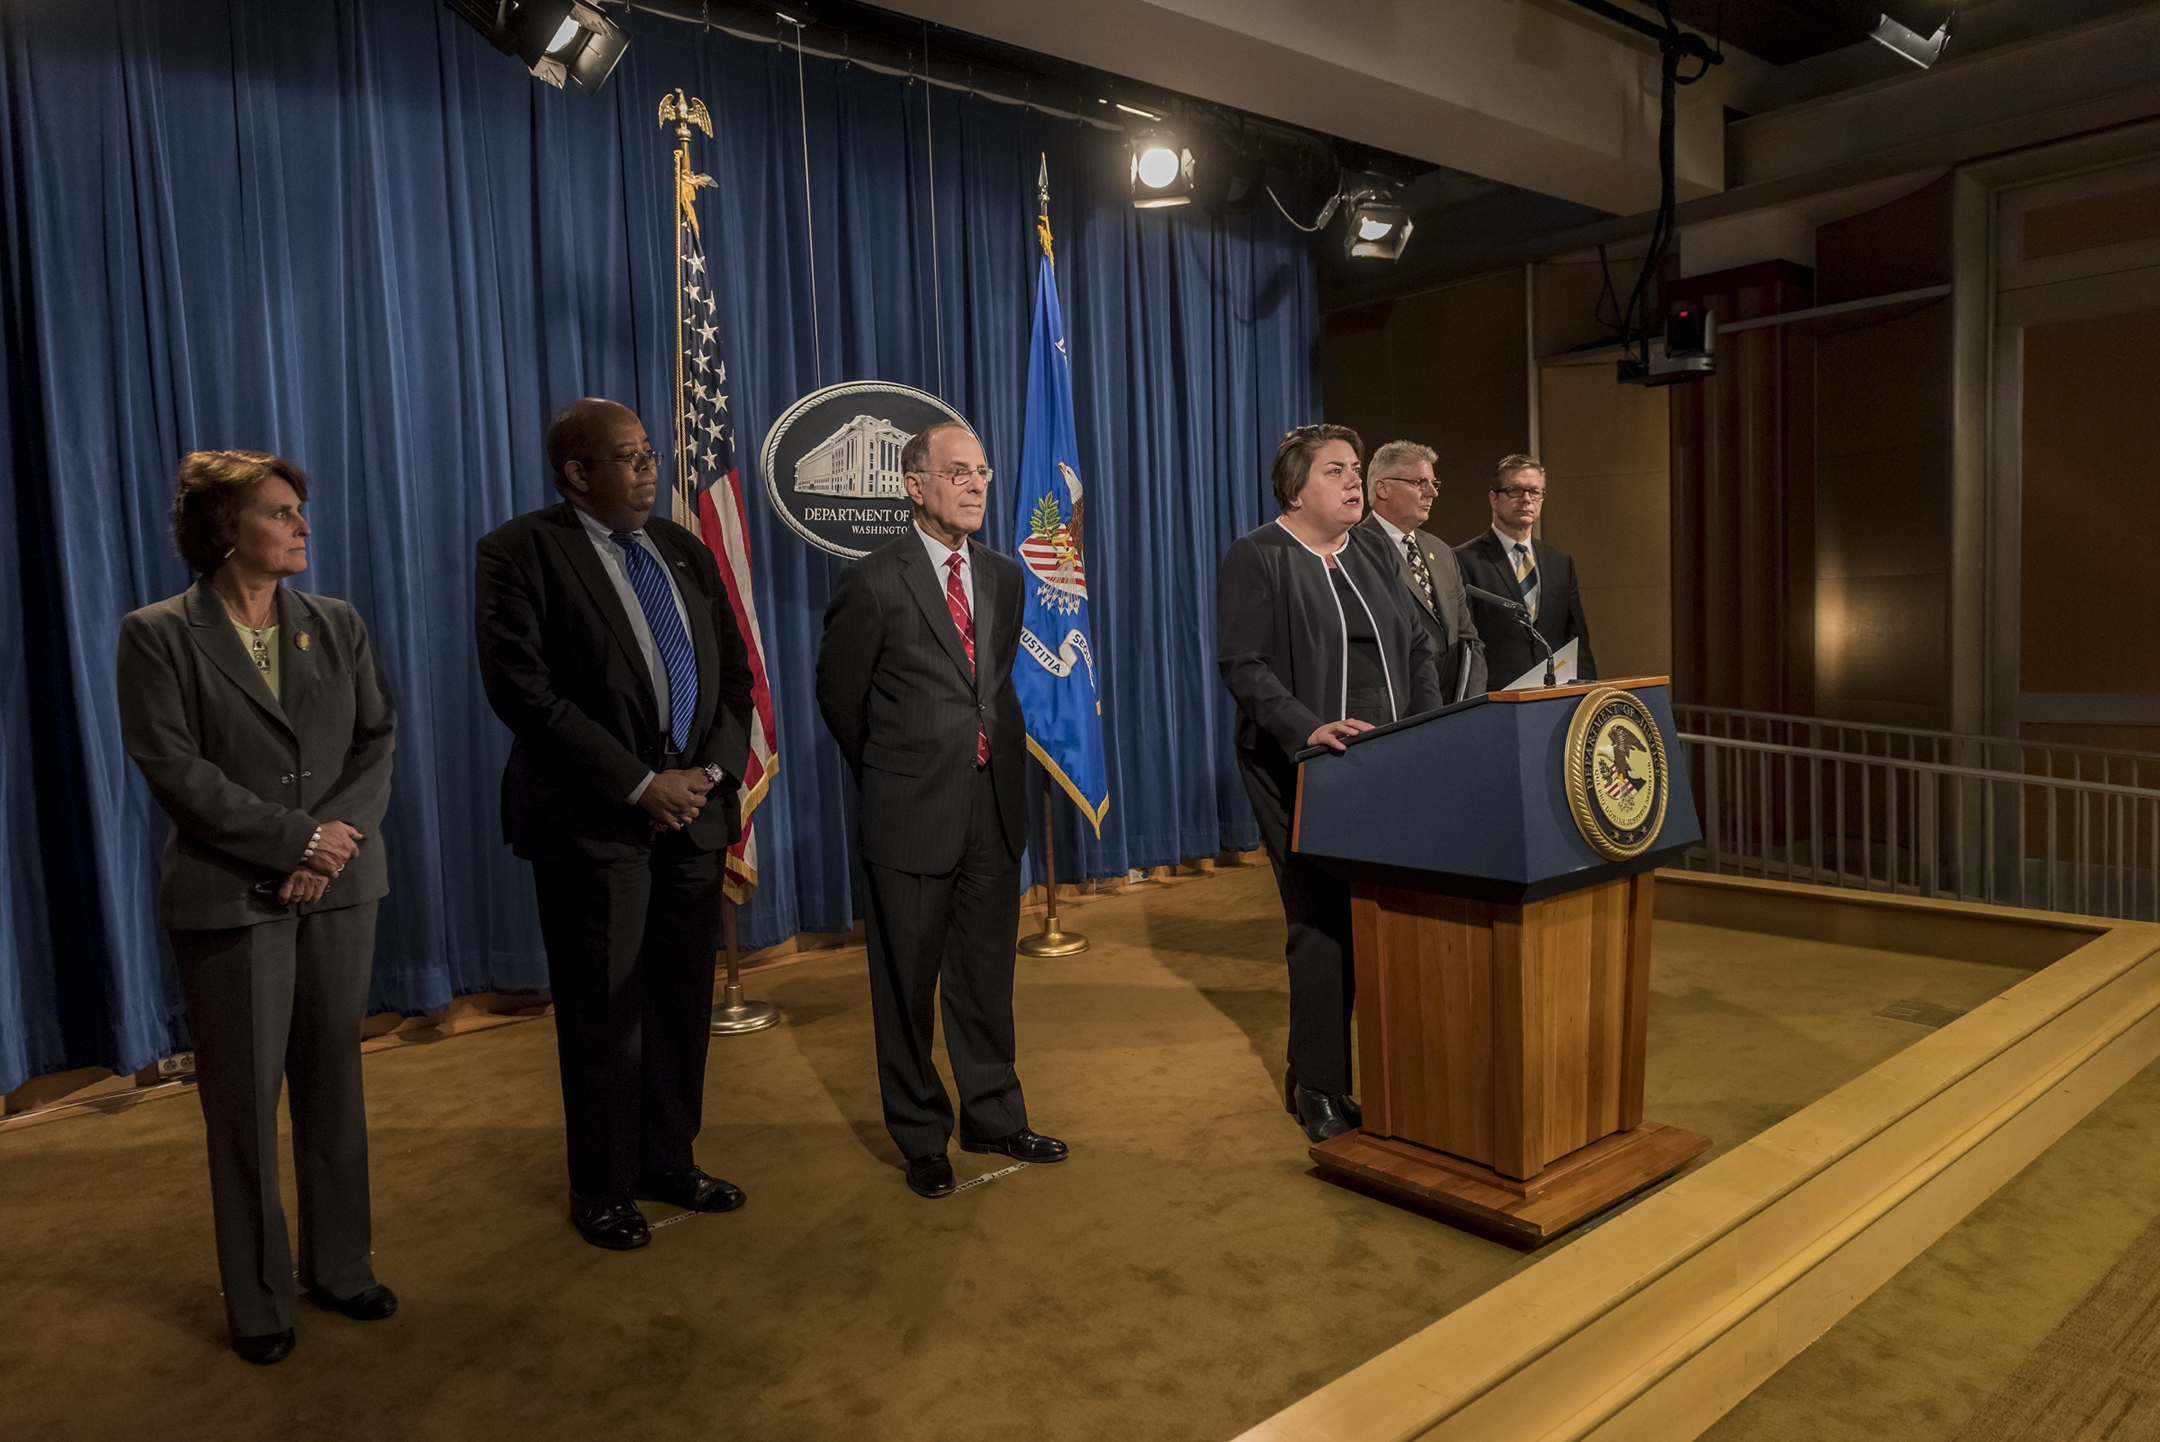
(1964, 738)
(1941, 768)
(1918, 824)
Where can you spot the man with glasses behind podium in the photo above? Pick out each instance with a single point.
(608, 647)
(1507, 561)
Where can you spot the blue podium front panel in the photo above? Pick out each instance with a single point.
(1472, 801)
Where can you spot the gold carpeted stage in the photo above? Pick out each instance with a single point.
(1185, 1275)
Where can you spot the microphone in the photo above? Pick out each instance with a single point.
(1496, 599)
(1522, 615)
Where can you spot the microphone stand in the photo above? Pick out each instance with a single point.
(1521, 613)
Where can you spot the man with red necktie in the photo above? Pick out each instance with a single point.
(915, 683)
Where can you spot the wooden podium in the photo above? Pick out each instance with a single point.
(1503, 964)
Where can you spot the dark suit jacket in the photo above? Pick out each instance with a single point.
(1450, 626)
(247, 777)
(1508, 652)
(1280, 644)
(562, 669)
(894, 686)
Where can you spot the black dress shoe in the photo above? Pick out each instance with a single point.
(931, 1176)
(691, 1190)
(1022, 1146)
(266, 1349)
(1290, 1089)
(1321, 1114)
(371, 1304)
(618, 1226)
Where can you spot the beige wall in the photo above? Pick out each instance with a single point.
(1607, 450)
(1445, 368)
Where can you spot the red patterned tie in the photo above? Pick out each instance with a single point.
(957, 603)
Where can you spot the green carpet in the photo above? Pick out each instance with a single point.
(1183, 1276)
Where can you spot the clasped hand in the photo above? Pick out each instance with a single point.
(335, 846)
(673, 799)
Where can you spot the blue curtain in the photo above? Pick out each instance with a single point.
(354, 234)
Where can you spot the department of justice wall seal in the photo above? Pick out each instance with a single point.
(832, 463)
(1617, 781)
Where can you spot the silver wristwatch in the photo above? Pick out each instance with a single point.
(713, 773)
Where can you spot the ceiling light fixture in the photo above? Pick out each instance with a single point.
(1909, 44)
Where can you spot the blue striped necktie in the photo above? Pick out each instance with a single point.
(668, 636)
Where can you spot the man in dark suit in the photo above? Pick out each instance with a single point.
(1400, 487)
(608, 647)
(1507, 562)
(915, 683)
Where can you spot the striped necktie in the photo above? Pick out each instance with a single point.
(658, 603)
(1526, 578)
(1419, 570)
(963, 620)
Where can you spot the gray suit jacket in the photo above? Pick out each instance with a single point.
(1451, 628)
(245, 779)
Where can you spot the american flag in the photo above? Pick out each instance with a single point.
(709, 494)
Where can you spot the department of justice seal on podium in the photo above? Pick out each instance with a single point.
(1616, 773)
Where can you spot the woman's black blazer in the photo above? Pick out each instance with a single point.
(1281, 639)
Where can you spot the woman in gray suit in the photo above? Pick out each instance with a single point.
(258, 718)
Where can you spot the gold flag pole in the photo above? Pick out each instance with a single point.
(1052, 940)
(732, 1014)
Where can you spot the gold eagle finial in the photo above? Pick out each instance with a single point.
(682, 113)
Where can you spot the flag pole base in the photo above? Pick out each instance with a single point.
(1052, 941)
(734, 1015)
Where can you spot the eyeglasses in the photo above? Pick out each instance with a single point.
(961, 475)
(1426, 484)
(1523, 493)
(643, 459)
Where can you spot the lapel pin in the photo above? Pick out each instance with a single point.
(301, 640)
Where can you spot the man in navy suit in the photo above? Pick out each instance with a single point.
(609, 648)
(1508, 562)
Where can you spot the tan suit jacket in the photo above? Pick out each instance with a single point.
(247, 776)
(1450, 626)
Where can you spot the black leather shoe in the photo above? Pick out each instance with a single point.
(1321, 1114)
(691, 1190)
(931, 1176)
(266, 1349)
(618, 1226)
(1351, 1111)
(369, 1305)
(1022, 1146)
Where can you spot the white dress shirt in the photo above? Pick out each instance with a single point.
(1395, 533)
(939, 551)
(1508, 544)
(618, 570)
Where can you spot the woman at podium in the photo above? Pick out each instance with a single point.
(1317, 641)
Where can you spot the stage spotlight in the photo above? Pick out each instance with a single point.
(1162, 170)
(557, 39)
(1377, 231)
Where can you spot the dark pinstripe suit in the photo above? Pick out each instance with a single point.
(941, 838)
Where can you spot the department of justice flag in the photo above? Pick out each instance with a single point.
(1057, 676)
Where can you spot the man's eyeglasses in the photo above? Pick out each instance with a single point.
(1426, 484)
(1523, 493)
(961, 475)
(642, 459)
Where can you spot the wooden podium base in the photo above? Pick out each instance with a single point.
(1526, 1213)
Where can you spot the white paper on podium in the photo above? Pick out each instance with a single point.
(1532, 679)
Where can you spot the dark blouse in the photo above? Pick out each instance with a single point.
(1368, 681)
